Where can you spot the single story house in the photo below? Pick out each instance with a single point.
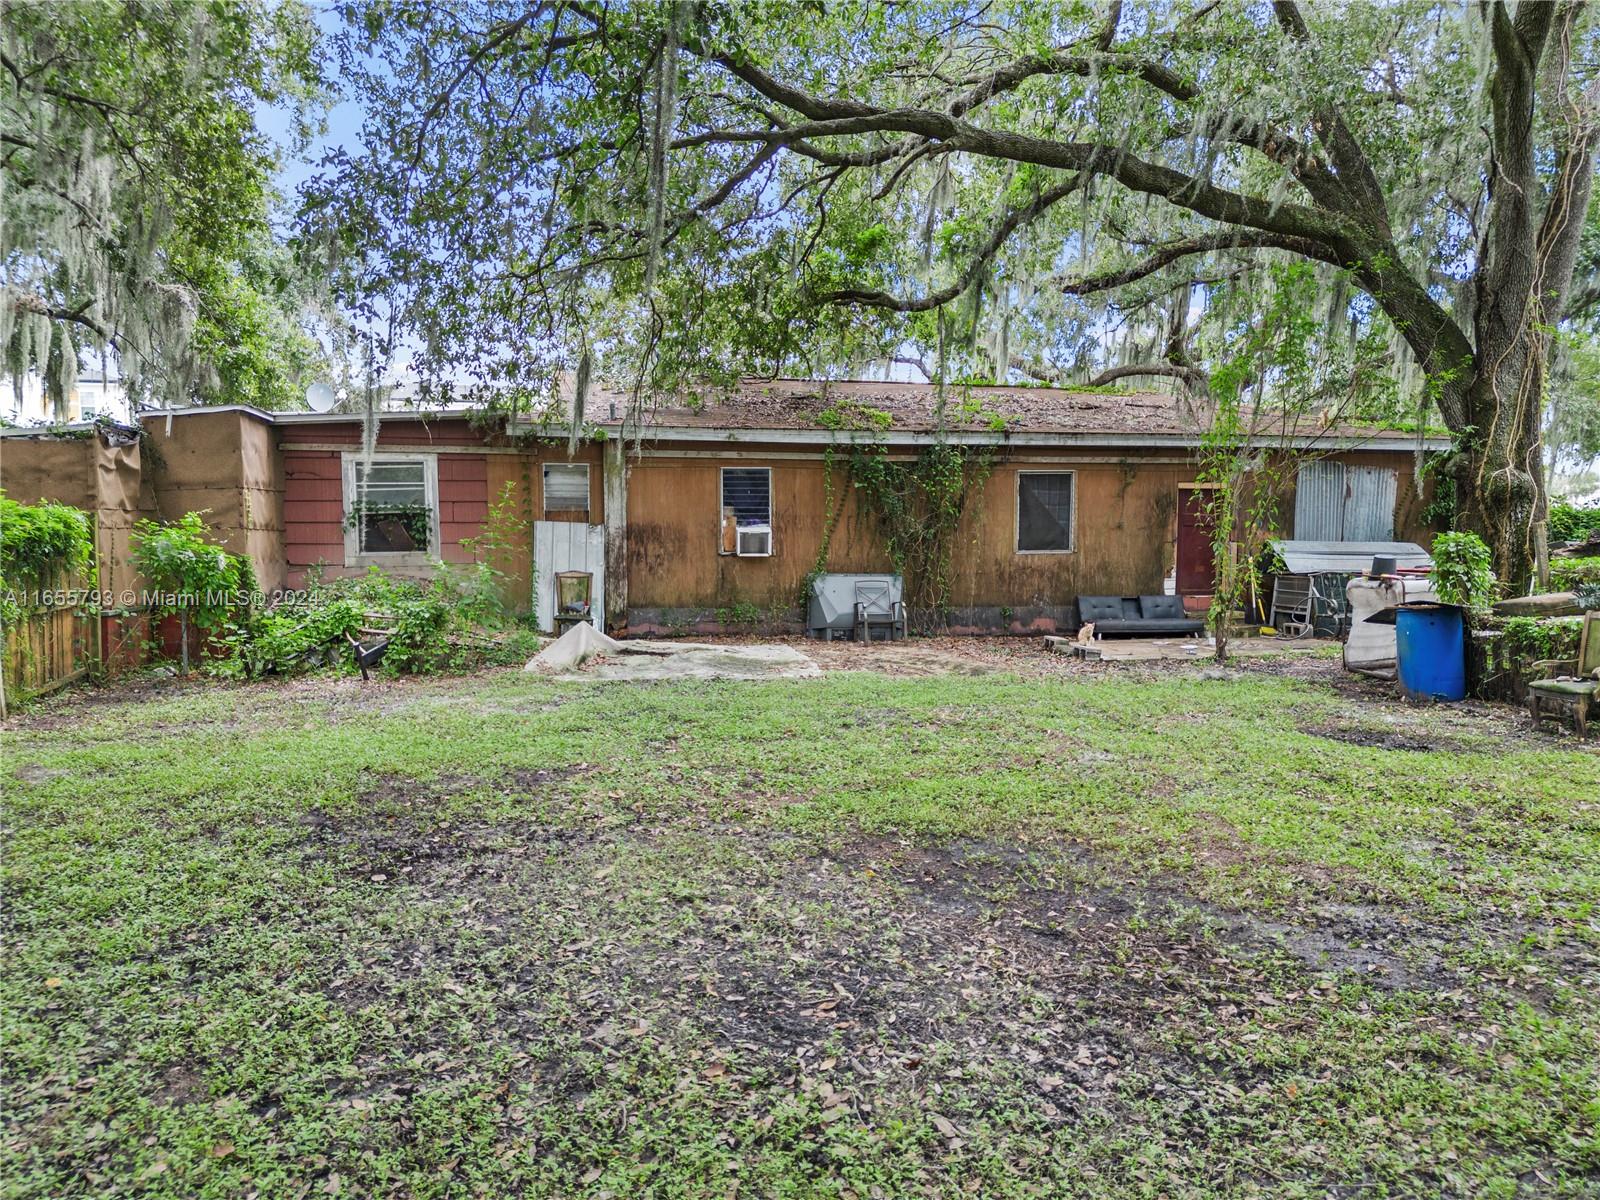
(712, 514)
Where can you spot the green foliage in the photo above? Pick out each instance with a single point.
(39, 544)
(1534, 639)
(284, 640)
(1440, 512)
(480, 590)
(415, 519)
(137, 207)
(1462, 573)
(196, 577)
(854, 416)
(1569, 523)
(1567, 574)
(918, 505)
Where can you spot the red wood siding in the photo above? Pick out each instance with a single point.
(463, 502)
(313, 504)
(313, 511)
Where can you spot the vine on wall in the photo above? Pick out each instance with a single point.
(918, 505)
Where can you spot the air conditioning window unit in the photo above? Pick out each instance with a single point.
(755, 541)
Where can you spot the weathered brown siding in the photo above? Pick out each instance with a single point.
(224, 465)
(1124, 531)
(1124, 537)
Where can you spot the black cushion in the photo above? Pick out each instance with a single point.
(1162, 608)
(1099, 608)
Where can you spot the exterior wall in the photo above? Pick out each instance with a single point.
(476, 470)
(224, 465)
(1408, 505)
(1124, 534)
(1125, 537)
(109, 483)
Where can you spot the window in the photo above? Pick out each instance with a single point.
(747, 511)
(1044, 512)
(566, 488)
(391, 505)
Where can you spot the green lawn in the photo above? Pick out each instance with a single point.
(1102, 936)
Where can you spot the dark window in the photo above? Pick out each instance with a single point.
(747, 492)
(393, 515)
(1044, 511)
(566, 488)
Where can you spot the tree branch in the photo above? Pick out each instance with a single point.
(1233, 239)
(997, 238)
(1193, 376)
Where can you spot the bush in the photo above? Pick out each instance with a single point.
(1569, 523)
(204, 584)
(433, 629)
(1569, 574)
(38, 544)
(1461, 571)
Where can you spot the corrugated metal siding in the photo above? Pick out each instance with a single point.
(1338, 503)
(1319, 502)
(1369, 504)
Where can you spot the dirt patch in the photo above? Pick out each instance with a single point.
(1383, 739)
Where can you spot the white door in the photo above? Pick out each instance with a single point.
(567, 546)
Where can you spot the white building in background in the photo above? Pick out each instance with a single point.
(92, 398)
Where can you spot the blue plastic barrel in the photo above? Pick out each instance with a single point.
(1430, 643)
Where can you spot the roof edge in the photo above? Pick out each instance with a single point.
(1392, 441)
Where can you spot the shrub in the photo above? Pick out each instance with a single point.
(1569, 574)
(1568, 523)
(38, 544)
(199, 580)
(1461, 571)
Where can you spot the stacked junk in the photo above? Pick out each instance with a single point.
(1400, 629)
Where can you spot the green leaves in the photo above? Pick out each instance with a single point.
(138, 188)
(196, 576)
(38, 544)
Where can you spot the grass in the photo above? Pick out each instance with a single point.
(1125, 935)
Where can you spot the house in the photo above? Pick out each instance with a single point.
(710, 513)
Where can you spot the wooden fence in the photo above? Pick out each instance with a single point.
(46, 648)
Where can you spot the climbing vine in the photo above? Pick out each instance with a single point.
(918, 504)
(830, 522)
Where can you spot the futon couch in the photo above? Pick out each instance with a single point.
(1137, 616)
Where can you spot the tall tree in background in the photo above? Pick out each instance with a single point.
(707, 188)
(137, 193)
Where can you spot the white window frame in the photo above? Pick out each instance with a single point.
(722, 492)
(354, 556)
(1072, 517)
(544, 498)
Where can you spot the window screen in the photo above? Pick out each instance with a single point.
(566, 487)
(748, 492)
(1044, 511)
(392, 512)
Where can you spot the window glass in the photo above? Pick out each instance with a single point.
(392, 512)
(1044, 511)
(566, 487)
(747, 493)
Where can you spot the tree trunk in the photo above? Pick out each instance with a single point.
(1498, 468)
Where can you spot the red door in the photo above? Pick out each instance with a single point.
(1197, 575)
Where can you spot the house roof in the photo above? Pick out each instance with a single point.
(806, 410)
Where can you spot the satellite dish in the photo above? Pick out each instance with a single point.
(321, 397)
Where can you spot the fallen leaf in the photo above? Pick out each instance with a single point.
(222, 1150)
